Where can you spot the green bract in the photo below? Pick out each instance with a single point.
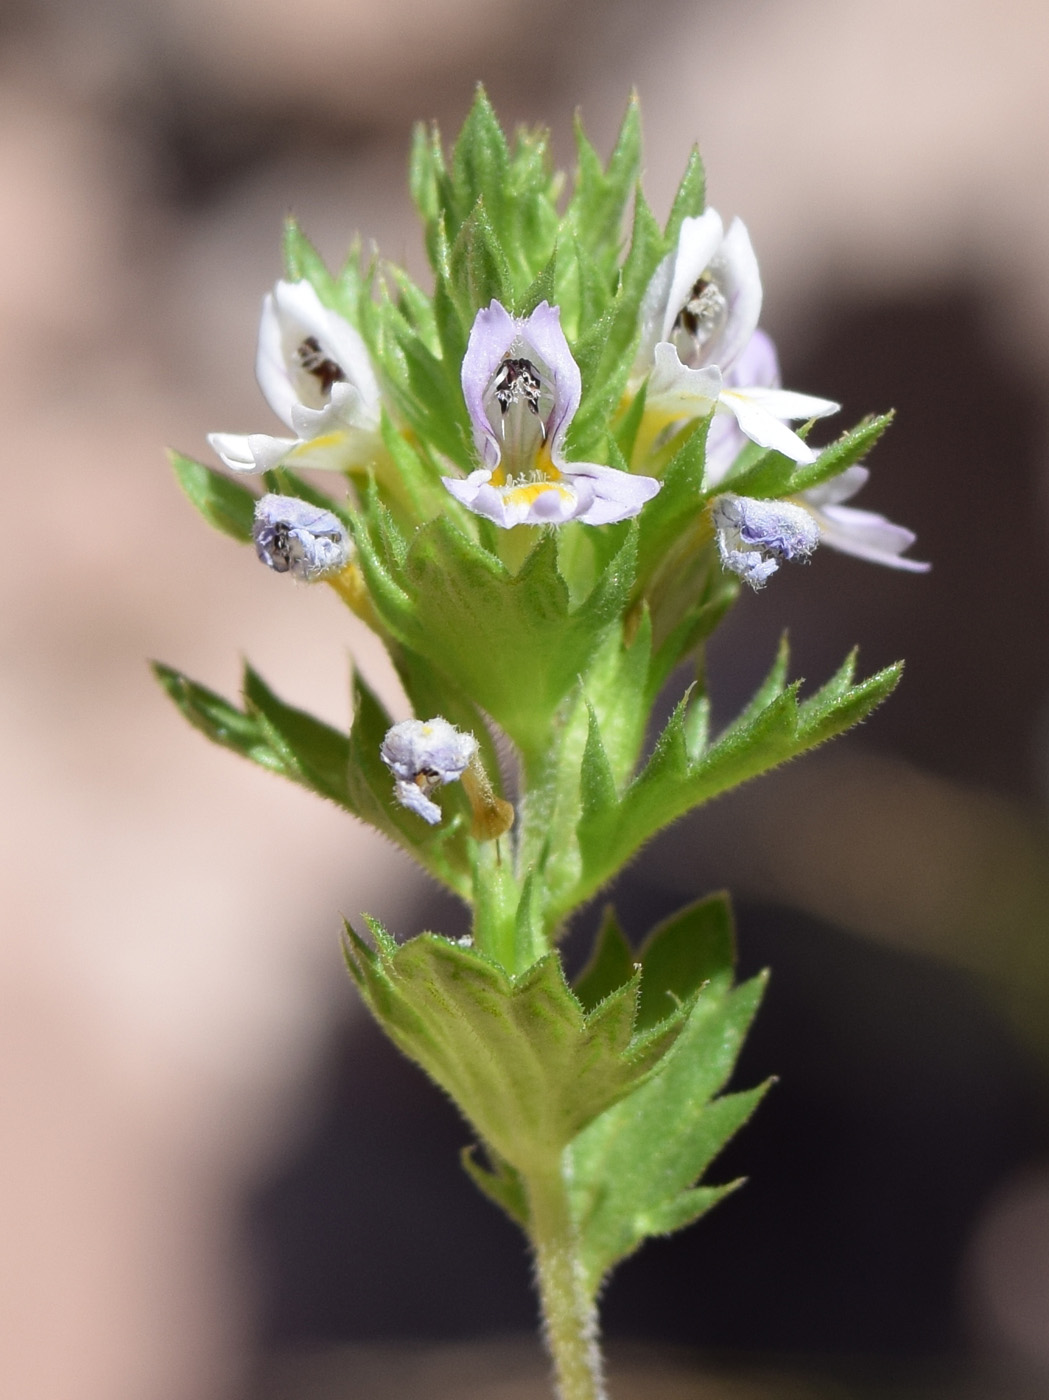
(594, 1107)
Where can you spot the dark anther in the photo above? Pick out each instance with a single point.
(314, 361)
(516, 379)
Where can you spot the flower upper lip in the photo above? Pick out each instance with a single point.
(704, 247)
(346, 391)
(315, 373)
(497, 337)
(689, 356)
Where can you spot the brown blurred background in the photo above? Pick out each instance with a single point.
(216, 1181)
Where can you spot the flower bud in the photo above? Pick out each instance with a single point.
(423, 755)
(292, 536)
(754, 535)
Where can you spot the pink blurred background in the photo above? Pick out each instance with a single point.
(171, 978)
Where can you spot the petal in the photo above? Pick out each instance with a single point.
(653, 310)
(338, 451)
(677, 391)
(271, 368)
(588, 492)
(618, 495)
(541, 331)
(251, 453)
(492, 334)
(535, 503)
(299, 304)
(839, 488)
(346, 409)
(697, 244)
(868, 536)
(735, 270)
(787, 404)
(762, 427)
(411, 796)
(757, 364)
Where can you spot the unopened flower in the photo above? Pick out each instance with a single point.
(860, 532)
(314, 370)
(698, 316)
(292, 536)
(522, 388)
(753, 536)
(423, 755)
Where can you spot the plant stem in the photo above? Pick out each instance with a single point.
(569, 1310)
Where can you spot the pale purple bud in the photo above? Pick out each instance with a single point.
(423, 755)
(752, 535)
(293, 536)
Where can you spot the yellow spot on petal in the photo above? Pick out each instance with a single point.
(528, 495)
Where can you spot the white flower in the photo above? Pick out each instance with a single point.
(752, 535)
(698, 316)
(292, 536)
(422, 755)
(858, 532)
(314, 370)
(522, 388)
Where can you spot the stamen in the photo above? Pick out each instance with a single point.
(314, 361)
(516, 380)
(703, 315)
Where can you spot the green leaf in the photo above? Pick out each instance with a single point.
(610, 966)
(633, 1168)
(479, 267)
(601, 195)
(513, 642)
(215, 717)
(425, 170)
(224, 503)
(667, 516)
(303, 262)
(695, 947)
(849, 448)
(690, 197)
(771, 730)
(313, 753)
(773, 475)
(605, 354)
(518, 1055)
(501, 1185)
(480, 160)
(767, 478)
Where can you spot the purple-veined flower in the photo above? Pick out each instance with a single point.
(698, 317)
(522, 388)
(292, 536)
(753, 536)
(423, 755)
(315, 373)
(859, 532)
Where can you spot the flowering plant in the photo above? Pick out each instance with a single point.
(551, 476)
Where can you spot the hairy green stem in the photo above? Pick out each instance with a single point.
(569, 1309)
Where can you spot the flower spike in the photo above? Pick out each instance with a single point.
(522, 388)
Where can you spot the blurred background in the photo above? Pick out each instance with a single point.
(216, 1181)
